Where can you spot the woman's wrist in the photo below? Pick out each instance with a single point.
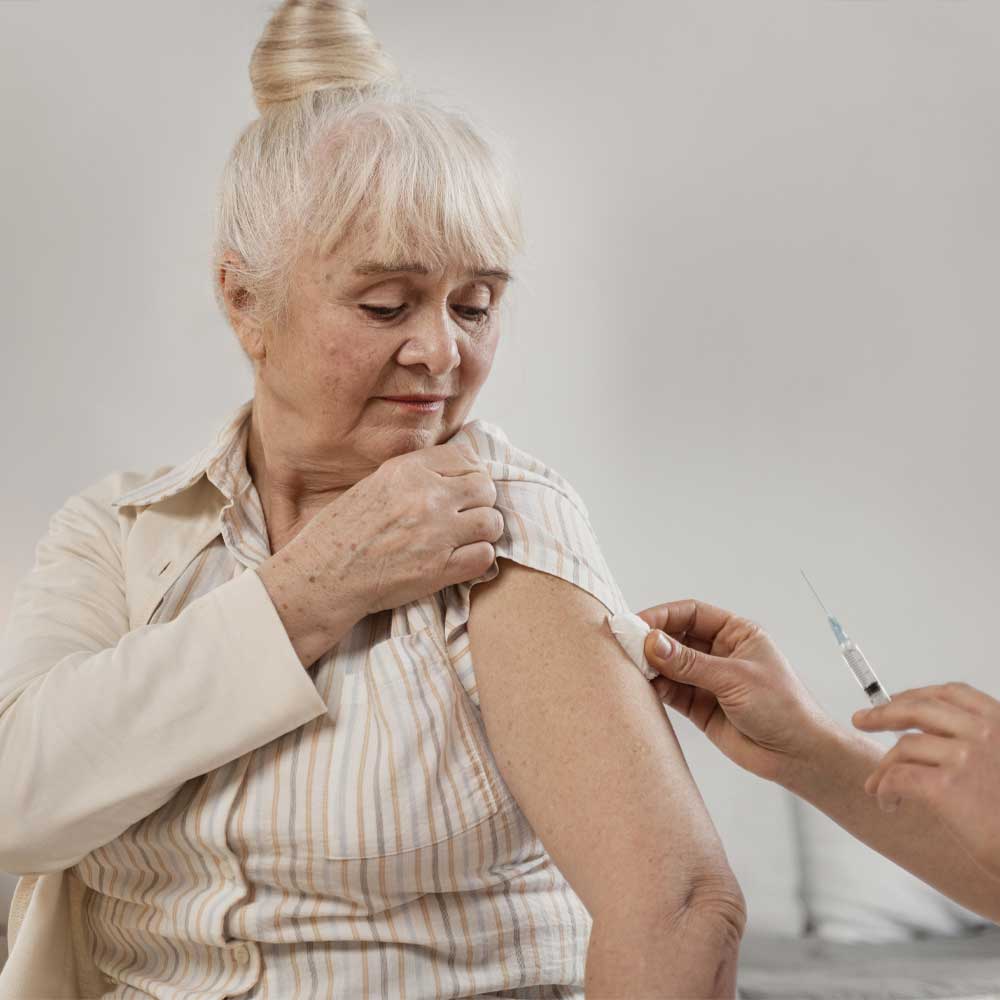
(314, 626)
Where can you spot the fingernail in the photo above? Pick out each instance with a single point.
(663, 646)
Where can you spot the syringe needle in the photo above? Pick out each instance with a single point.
(853, 656)
(813, 589)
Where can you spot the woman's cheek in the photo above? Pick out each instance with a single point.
(478, 358)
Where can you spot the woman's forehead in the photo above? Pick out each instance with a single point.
(463, 269)
(368, 250)
(355, 259)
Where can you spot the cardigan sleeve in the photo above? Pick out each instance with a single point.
(100, 725)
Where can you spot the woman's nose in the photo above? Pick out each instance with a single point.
(431, 343)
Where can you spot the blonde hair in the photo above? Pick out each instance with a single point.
(341, 144)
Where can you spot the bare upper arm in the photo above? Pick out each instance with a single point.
(583, 743)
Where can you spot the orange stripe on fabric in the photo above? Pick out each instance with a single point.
(375, 700)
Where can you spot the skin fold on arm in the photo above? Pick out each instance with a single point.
(582, 742)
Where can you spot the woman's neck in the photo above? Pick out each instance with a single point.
(291, 484)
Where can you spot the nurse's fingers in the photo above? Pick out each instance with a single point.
(698, 624)
(718, 676)
(956, 693)
(917, 748)
(933, 716)
(678, 696)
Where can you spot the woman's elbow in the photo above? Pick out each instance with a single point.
(719, 897)
(686, 944)
(713, 910)
(708, 905)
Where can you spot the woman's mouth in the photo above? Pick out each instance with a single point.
(417, 404)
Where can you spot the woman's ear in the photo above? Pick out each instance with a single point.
(241, 307)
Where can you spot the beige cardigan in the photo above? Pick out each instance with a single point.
(100, 573)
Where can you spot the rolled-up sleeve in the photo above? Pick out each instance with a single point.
(100, 725)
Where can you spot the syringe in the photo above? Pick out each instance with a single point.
(853, 656)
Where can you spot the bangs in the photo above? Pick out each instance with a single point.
(419, 184)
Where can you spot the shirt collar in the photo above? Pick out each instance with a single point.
(223, 462)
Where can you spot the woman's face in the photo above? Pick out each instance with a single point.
(361, 330)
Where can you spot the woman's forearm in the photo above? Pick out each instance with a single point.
(222, 670)
(833, 779)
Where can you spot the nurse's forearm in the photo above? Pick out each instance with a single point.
(833, 779)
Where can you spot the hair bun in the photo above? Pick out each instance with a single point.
(315, 44)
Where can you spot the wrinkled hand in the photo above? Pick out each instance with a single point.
(422, 521)
(727, 676)
(952, 766)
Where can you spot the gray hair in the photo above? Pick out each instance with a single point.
(342, 144)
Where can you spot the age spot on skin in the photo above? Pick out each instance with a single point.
(312, 579)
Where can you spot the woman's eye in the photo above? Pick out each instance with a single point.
(470, 312)
(383, 312)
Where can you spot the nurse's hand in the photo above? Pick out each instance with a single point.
(952, 766)
(727, 676)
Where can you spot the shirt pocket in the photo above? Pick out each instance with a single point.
(411, 765)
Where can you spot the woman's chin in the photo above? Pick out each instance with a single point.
(401, 439)
(395, 433)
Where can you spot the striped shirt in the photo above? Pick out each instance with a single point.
(374, 852)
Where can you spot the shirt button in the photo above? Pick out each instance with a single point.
(241, 953)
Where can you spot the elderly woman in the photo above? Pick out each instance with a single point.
(333, 708)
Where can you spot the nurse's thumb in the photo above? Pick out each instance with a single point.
(683, 664)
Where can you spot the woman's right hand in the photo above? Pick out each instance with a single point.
(420, 522)
(730, 679)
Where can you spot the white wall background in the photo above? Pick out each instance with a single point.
(756, 326)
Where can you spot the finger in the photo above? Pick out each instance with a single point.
(705, 709)
(467, 562)
(656, 617)
(689, 618)
(917, 748)
(956, 693)
(689, 666)
(652, 646)
(476, 489)
(664, 688)
(701, 645)
(693, 703)
(484, 524)
(932, 716)
(679, 697)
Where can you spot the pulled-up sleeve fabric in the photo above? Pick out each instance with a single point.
(100, 724)
(546, 527)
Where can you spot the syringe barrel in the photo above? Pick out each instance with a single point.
(859, 665)
(878, 696)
